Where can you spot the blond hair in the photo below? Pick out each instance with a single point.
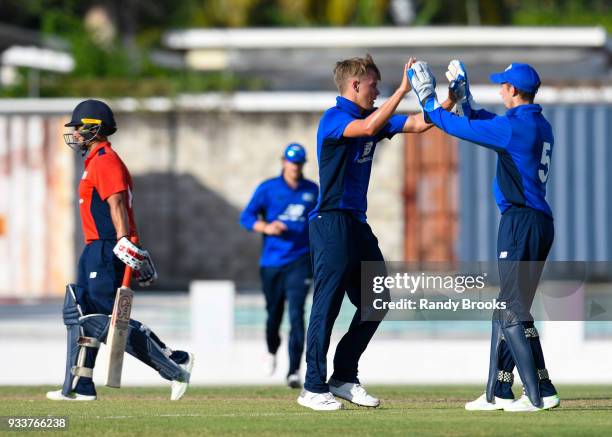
(354, 67)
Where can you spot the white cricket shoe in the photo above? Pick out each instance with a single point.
(481, 404)
(319, 401)
(354, 393)
(523, 404)
(57, 395)
(269, 364)
(179, 386)
(293, 381)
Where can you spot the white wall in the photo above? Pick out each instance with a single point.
(222, 359)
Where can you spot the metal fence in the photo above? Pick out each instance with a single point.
(579, 188)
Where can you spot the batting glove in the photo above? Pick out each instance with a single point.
(424, 86)
(147, 273)
(129, 253)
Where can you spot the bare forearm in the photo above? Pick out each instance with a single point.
(375, 121)
(119, 215)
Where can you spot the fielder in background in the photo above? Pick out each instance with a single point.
(340, 237)
(523, 141)
(105, 206)
(279, 210)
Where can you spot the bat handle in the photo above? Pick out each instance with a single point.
(127, 275)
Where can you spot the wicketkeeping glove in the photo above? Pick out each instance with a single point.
(424, 85)
(460, 86)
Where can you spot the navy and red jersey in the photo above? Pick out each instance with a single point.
(105, 174)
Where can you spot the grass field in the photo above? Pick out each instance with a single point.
(405, 410)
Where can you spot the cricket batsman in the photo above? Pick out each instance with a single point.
(105, 206)
(523, 141)
(340, 237)
(279, 211)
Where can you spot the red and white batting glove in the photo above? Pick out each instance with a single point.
(130, 254)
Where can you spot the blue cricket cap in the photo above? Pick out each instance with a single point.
(521, 76)
(295, 153)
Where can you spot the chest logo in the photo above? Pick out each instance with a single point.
(308, 197)
(366, 154)
(293, 213)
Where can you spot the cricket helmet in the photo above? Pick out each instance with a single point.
(90, 118)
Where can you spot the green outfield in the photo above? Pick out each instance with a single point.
(405, 410)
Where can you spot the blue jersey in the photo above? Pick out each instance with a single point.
(523, 140)
(275, 200)
(345, 163)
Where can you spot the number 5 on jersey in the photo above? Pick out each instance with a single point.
(545, 161)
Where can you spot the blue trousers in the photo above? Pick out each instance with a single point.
(289, 283)
(338, 244)
(524, 240)
(100, 273)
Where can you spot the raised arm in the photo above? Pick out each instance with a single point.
(493, 133)
(416, 122)
(374, 122)
(459, 92)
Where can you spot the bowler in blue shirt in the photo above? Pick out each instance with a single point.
(340, 237)
(279, 211)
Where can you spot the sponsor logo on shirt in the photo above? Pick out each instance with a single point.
(366, 154)
(293, 213)
(308, 197)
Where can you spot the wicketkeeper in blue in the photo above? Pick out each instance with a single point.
(523, 141)
(279, 210)
(340, 237)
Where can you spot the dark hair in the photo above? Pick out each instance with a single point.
(530, 97)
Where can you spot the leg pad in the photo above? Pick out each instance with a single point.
(84, 332)
(82, 371)
(89, 342)
(520, 347)
(504, 376)
(543, 374)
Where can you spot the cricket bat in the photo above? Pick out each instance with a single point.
(119, 328)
